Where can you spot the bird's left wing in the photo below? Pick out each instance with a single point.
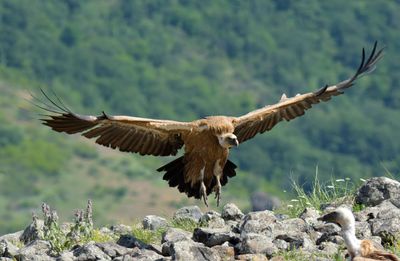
(130, 134)
(264, 119)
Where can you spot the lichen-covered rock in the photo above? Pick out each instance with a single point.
(153, 222)
(212, 237)
(171, 236)
(192, 212)
(225, 252)
(231, 212)
(376, 190)
(7, 249)
(186, 250)
(121, 229)
(33, 232)
(141, 255)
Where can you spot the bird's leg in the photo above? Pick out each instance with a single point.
(203, 189)
(203, 193)
(217, 189)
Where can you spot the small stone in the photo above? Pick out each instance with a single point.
(7, 249)
(231, 212)
(310, 215)
(328, 248)
(281, 244)
(66, 256)
(192, 212)
(171, 236)
(153, 222)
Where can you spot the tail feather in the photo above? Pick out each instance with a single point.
(175, 177)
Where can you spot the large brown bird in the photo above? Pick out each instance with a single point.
(359, 250)
(204, 167)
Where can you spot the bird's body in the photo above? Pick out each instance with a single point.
(204, 167)
(359, 250)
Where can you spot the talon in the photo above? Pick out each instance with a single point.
(203, 193)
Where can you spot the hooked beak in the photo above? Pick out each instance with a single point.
(235, 143)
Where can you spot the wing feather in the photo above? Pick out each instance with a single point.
(264, 119)
(129, 134)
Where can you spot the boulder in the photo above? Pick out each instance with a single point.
(212, 237)
(33, 232)
(130, 241)
(90, 251)
(252, 257)
(258, 222)
(35, 250)
(153, 222)
(186, 250)
(192, 212)
(252, 243)
(376, 190)
(262, 201)
(112, 249)
(212, 219)
(225, 252)
(121, 229)
(171, 236)
(231, 212)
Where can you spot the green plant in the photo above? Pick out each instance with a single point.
(146, 235)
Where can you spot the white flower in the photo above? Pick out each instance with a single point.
(330, 186)
(347, 179)
(308, 203)
(284, 191)
(339, 180)
(289, 206)
(294, 200)
(363, 180)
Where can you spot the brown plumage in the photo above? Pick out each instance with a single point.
(204, 167)
(359, 250)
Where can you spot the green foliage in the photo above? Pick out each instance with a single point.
(337, 191)
(147, 236)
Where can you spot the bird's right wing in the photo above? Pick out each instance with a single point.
(129, 134)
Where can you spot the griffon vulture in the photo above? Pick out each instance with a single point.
(359, 250)
(204, 167)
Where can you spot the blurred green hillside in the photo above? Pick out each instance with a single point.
(183, 60)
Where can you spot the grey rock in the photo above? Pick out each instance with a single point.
(296, 240)
(252, 257)
(212, 237)
(376, 190)
(143, 255)
(260, 222)
(310, 215)
(153, 222)
(66, 256)
(387, 229)
(281, 244)
(363, 229)
(13, 237)
(112, 249)
(35, 250)
(7, 249)
(33, 232)
(90, 252)
(185, 250)
(262, 201)
(192, 212)
(328, 248)
(212, 219)
(171, 236)
(130, 241)
(121, 229)
(252, 243)
(231, 212)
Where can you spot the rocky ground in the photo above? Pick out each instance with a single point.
(230, 235)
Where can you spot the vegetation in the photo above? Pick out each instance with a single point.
(183, 59)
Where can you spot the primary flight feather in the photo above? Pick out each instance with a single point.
(204, 167)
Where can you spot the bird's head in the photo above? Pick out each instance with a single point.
(228, 140)
(341, 216)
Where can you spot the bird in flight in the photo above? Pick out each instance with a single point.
(204, 167)
(359, 250)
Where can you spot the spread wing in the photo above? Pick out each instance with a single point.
(130, 134)
(264, 119)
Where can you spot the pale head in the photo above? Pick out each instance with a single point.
(341, 216)
(228, 140)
